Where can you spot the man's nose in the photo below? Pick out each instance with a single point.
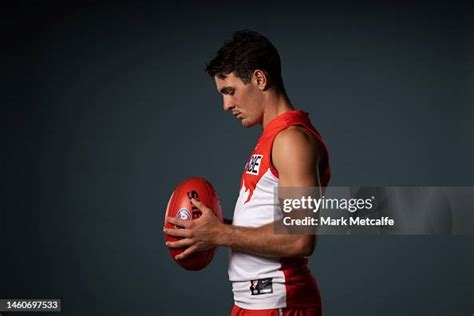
(228, 104)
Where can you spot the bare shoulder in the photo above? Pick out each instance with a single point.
(295, 140)
(296, 156)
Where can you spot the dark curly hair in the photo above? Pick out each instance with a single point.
(247, 51)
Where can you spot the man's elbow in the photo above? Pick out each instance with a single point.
(304, 246)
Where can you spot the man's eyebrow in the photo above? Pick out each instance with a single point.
(226, 90)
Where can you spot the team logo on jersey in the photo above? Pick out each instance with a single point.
(253, 166)
(262, 286)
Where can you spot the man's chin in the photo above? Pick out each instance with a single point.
(245, 123)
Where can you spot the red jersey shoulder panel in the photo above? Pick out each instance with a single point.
(260, 158)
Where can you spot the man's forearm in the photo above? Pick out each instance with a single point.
(263, 241)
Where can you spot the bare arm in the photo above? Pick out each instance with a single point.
(295, 156)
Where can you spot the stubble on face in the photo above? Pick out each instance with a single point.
(243, 100)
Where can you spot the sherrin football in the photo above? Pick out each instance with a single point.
(180, 206)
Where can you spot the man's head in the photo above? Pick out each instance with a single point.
(245, 68)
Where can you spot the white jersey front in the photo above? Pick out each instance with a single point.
(267, 282)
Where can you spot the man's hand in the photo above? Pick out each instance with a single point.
(198, 235)
(296, 157)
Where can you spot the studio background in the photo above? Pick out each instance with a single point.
(106, 107)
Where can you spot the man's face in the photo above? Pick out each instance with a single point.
(243, 100)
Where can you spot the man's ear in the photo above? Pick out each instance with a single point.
(260, 78)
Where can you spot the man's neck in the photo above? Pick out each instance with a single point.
(275, 104)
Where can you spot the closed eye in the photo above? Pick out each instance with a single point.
(227, 90)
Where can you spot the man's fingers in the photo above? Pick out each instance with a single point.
(201, 206)
(180, 243)
(185, 233)
(198, 204)
(178, 222)
(186, 253)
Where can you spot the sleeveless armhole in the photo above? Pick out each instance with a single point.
(308, 132)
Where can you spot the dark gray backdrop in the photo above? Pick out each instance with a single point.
(105, 108)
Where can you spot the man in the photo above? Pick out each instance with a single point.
(268, 271)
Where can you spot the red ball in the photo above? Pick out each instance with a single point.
(180, 206)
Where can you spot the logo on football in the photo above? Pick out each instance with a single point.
(180, 206)
(184, 214)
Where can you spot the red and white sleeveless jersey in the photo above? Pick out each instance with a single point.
(264, 282)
